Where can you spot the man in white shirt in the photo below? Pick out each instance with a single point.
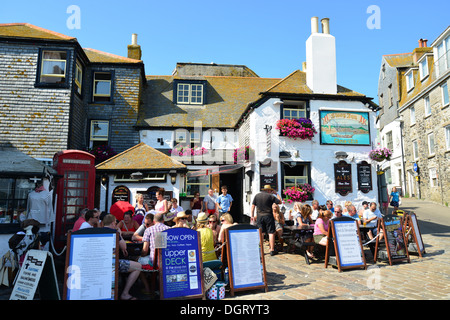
(92, 219)
(370, 217)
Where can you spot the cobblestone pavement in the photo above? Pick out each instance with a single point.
(290, 278)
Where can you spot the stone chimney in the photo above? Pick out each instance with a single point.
(134, 50)
(321, 58)
(421, 50)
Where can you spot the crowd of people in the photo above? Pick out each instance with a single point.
(211, 217)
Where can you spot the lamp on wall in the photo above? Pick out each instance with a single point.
(340, 155)
(268, 128)
(136, 175)
(173, 176)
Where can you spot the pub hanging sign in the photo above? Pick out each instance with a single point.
(343, 178)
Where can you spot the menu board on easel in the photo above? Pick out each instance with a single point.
(245, 257)
(394, 237)
(412, 225)
(347, 244)
(92, 264)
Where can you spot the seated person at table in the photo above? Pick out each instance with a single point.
(304, 221)
(329, 205)
(174, 209)
(352, 213)
(297, 211)
(226, 221)
(181, 220)
(148, 248)
(315, 209)
(128, 226)
(365, 206)
(133, 267)
(370, 218)
(346, 204)
(148, 222)
(279, 222)
(207, 241)
(337, 211)
(321, 228)
(213, 224)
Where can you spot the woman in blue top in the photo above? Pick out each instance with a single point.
(395, 198)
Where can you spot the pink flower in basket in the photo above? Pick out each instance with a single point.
(299, 193)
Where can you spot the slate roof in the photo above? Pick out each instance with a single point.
(400, 60)
(140, 157)
(15, 162)
(226, 99)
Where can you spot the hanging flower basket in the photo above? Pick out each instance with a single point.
(380, 154)
(296, 128)
(102, 153)
(243, 154)
(188, 151)
(299, 193)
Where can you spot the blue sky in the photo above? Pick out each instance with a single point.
(267, 36)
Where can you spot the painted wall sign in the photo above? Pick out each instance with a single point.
(344, 127)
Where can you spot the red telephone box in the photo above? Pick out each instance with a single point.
(75, 188)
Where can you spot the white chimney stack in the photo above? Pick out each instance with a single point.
(321, 59)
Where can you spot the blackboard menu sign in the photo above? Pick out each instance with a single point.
(343, 178)
(395, 239)
(268, 175)
(181, 272)
(121, 193)
(364, 171)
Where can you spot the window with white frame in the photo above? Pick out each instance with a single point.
(189, 93)
(431, 146)
(102, 87)
(423, 67)
(295, 173)
(412, 114)
(409, 80)
(294, 109)
(99, 134)
(53, 67)
(389, 141)
(447, 137)
(78, 77)
(433, 177)
(443, 61)
(415, 150)
(427, 106)
(444, 91)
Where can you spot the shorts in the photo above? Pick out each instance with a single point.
(266, 224)
(124, 265)
(394, 203)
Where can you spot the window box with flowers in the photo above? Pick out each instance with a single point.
(299, 193)
(380, 154)
(243, 154)
(102, 153)
(296, 128)
(180, 150)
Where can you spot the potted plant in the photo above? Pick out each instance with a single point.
(102, 153)
(296, 128)
(299, 193)
(380, 154)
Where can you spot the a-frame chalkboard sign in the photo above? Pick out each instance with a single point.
(412, 231)
(347, 244)
(245, 257)
(394, 238)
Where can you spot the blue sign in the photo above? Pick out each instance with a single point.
(181, 270)
(415, 167)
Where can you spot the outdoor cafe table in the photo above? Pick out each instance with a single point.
(291, 233)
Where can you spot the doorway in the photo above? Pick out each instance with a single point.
(234, 180)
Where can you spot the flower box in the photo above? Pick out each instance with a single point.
(299, 193)
(243, 154)
(296, 128)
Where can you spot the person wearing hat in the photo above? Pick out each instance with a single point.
(263, 201)
(207, 238)
(181, 220)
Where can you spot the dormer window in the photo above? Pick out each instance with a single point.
(53, 68)
(409, 80)
(189, 92)
(423, 67)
